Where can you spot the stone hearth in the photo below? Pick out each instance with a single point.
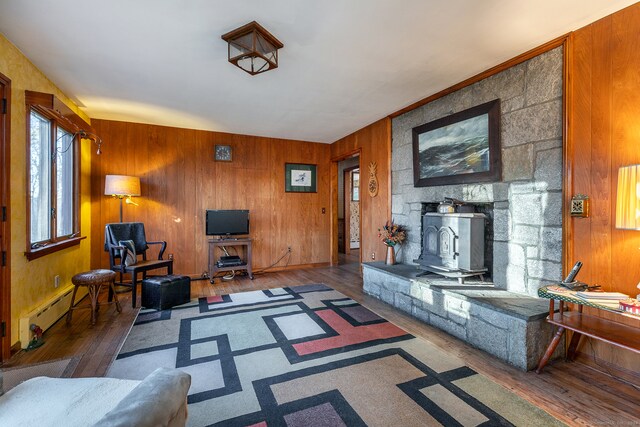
(507, 325)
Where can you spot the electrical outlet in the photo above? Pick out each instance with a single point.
(56, 281)
(289, 249)
(373, 255)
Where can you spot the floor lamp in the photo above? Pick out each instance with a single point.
(628, 199)
(122, 186)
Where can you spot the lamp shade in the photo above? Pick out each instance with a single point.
(122, 185)
(628, 198)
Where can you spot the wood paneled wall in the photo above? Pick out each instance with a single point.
(180, 180)
(603, 135)
(373, 143)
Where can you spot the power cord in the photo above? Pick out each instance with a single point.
(606, 368)
(288, 252)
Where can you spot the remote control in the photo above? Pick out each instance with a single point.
(573, 273)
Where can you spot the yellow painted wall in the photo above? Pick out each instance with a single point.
(32, 281)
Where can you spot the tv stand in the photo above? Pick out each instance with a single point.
(222, 242)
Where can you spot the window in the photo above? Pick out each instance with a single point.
(53, 182)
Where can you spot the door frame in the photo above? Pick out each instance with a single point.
(5, 217)
(346, 195)
(334, 201)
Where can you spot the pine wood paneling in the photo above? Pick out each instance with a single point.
(374, 144)
(604, 130)
(180, 180)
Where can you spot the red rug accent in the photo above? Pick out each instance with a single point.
(216, 298)
(349, 334)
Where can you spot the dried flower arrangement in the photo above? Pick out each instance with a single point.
(392, 234)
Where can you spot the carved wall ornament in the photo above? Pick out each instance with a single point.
(373, 179)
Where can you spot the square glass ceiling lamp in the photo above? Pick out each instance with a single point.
(252, 48)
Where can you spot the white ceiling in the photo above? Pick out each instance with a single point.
(344, 65)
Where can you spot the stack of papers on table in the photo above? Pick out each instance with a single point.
(602, 297)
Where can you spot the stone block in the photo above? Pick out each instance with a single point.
(397, 204)
(549, 168)
(526, 234)
(403, 302)
(516, 255)
(517, 163)
(420, 314)
(516, 279)
(387, 296)
(552, 208)
(433, 302)
(551, 244)
(488, 338)
(548, 270)
(536, 123)
(539, 334)
(371, 288)
(501, 224)
(527, 209)
(492, 317)
(521, 188)
(547, 145)
(448, 326)
(517, 344)
(402, 287)
(405, 176)
(402, 156)
(457, 309)
(544, 77)
(478, 193)
(410, 251)
(501, 192)
(416, 291)
(512, 104)
(501, 205)
(533, 252)
(507, 84)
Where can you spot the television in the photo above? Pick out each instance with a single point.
(227, 222)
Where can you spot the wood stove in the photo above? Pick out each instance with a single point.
(453, 244)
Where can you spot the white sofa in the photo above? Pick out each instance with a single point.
(158, 400)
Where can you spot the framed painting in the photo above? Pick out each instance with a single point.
(461, 148)
(300, 178)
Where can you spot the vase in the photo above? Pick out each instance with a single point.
(391, 256)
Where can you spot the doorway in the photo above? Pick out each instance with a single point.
(5, 231)
(349, 218)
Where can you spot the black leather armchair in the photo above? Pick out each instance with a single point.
(116, 233)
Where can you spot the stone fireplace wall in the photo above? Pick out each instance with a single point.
(527, 216)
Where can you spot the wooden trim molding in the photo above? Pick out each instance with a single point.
(5, 223)
(58, 108)
(483, 75)
(53, 247)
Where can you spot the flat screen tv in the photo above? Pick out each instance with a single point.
(227, 222)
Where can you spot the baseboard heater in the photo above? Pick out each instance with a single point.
(47, 313)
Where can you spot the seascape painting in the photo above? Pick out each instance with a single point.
(460, 148)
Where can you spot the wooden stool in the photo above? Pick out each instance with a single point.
(93, 280)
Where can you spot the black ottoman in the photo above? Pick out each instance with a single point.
(163, 292)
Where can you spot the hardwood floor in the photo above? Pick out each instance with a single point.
(572, 392)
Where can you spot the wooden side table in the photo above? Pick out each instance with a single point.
(213, 266)
(609, 331)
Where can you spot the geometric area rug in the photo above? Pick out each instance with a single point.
(309, 356)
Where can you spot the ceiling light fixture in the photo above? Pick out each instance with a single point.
(252, 48)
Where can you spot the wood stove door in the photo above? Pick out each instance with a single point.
(447, 247)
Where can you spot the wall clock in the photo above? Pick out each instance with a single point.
(223, 153)
(373, 179)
